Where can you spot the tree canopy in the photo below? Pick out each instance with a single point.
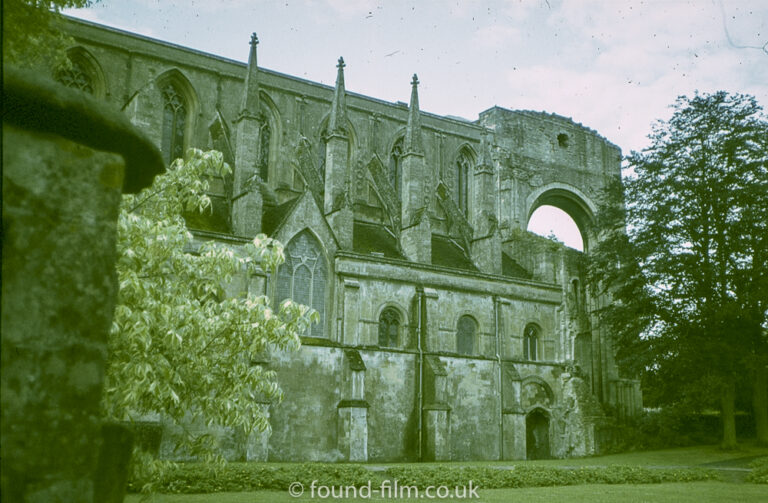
(188, 336)
(31, 34)
(686, 256)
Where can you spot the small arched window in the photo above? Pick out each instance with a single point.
(303, 277)
(76, 76)
(463, 164)
(395, 165)
(174, 122)
(575, 293)
(389, 328)
(466, 329)
(531, 342)
(264, 138)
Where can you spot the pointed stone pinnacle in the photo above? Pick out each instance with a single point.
(413, 142)
(338, 106)
(250, 101)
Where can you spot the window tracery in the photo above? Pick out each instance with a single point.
(389, 328)
(463, 164)
(303, 277)
(76, 77)
(531, 342)
(174, 123)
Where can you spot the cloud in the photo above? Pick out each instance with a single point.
(93, 15)
(495, 36)
(349, 8)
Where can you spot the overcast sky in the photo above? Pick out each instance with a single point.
(614, 66)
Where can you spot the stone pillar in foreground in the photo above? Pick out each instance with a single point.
(66, 160)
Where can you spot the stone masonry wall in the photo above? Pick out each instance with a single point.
(528, 159)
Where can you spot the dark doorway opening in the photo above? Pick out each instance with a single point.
(537, 435)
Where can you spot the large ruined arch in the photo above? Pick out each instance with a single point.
(569, 199)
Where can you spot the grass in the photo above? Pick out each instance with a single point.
(679, 456)
(697, 492)
(676, 457)
(691, 492)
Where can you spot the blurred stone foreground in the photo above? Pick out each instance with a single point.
(66, 160)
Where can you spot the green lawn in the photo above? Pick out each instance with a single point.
(693, 492)
(682, 456)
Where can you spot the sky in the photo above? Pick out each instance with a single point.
(614, 66)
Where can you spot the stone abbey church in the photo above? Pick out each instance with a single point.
(447, 331)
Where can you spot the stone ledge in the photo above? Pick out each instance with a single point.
(42, 105)
(353, 404)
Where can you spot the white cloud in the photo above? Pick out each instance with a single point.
(349, 8)
(96, 16)
(495, 36)
(613, 65)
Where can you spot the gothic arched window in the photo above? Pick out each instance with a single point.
(264, 139)
(322, 152)
(303, 277)
(463, 164)
(466, 329)
(531, 342)
(575, 293)
(174, 123)
(76, 76)
(395, 165)
(389, 328)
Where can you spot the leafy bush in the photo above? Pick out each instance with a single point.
(543, 476)
(186, 478)
(672, 427)
(237, 477)
(759, 473)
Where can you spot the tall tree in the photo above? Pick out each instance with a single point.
(32, 35)
(686, 256)
(186, 342)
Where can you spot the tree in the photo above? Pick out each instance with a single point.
(32, 35)
(181, 344)
(686, 256)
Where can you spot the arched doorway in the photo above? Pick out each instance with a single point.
(537, 435)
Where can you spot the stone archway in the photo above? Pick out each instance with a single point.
(569, 199)
(537, 435)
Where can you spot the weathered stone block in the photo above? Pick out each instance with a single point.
(60, 208)
(59, 212)
(514, 436)
(437, 433)
(353, 430)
